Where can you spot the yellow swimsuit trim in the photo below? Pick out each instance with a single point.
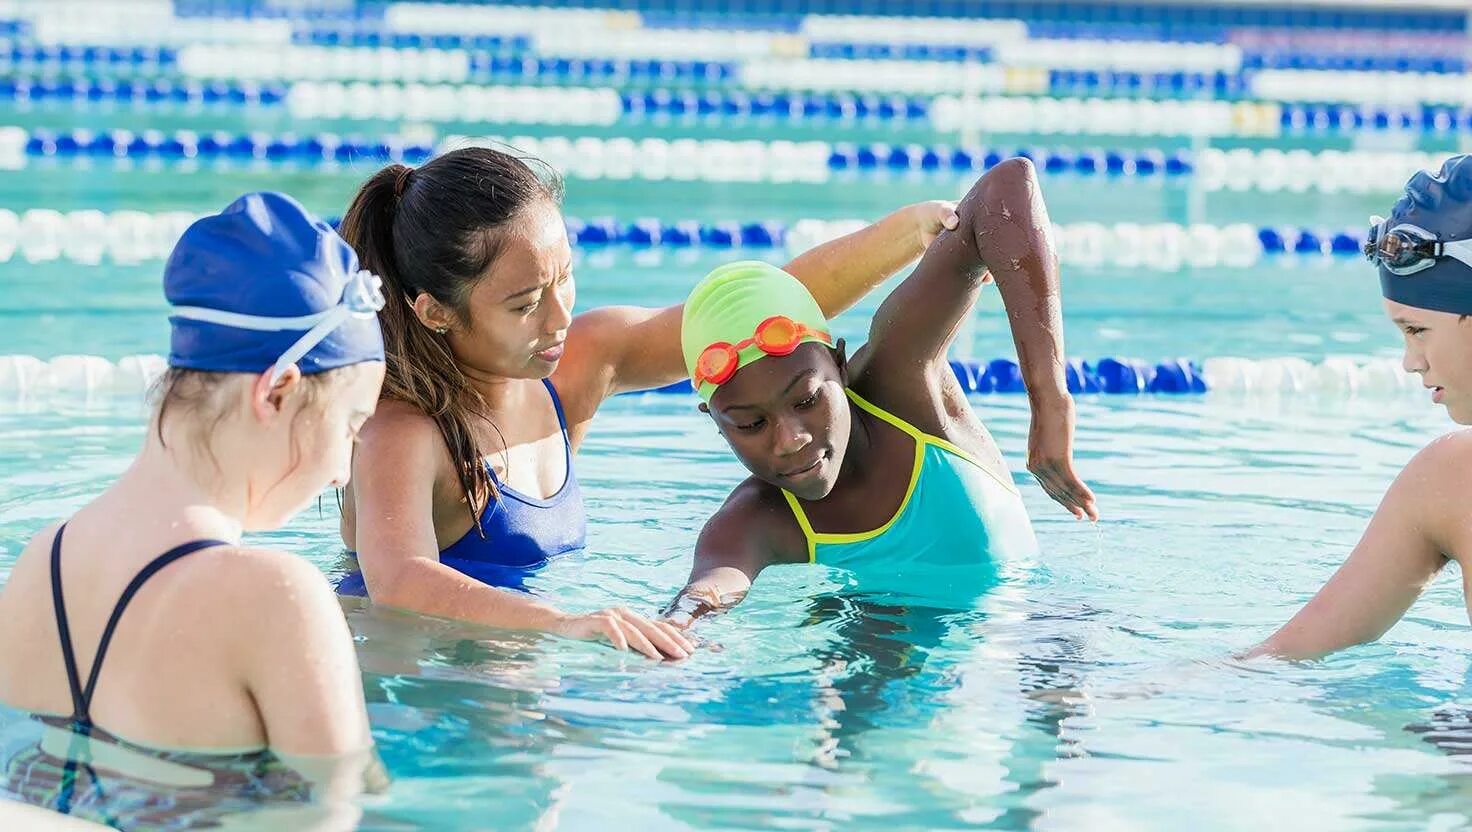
(921, 440)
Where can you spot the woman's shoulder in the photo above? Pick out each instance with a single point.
(394, 416)
(400, 433)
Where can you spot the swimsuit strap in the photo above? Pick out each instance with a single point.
(810, 536)
(82, 696)
(561, 425)
(922, 441)
(63, 629)
(884, 415)
(561, 422)
(814, 537)
(556, 405)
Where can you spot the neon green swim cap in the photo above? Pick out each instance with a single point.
(749, 310)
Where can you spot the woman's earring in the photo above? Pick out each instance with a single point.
(442, 330)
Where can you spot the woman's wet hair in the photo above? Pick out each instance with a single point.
(436, 230)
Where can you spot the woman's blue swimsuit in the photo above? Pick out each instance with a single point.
(517, 532)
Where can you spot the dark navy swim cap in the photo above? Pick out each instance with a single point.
(1439, 207)
(266, 284)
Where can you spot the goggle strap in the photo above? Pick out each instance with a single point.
(312, 338)
(1460, 250)
(254, 323)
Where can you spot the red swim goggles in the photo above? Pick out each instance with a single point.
(777, 335)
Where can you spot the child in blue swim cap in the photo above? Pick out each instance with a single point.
(143, 617)
(1423, 251)
(878, 464)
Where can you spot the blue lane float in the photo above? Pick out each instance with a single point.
(1091, 83)
(836, 106)
(380, 38)
(1088, 162)
(331, 147)
(1358, 61)
(88, 57)
(1215, 22)
(681, 102)
(257, 10)
(136, 90)
(501, 66)
(1070, 18)
(654, 233)
(226, 146)
(1108, 376)
(33, 379)
(787, 106)
(949, 53)
(1343, 118)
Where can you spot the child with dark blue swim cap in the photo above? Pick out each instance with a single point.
(1424, 254)
(275, 362)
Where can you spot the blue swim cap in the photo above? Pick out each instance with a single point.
(265, 284)
(1424, 233)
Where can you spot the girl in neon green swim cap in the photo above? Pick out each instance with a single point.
(878, 463)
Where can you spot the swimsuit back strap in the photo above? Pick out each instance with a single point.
(82, 696)
(63, 629)
(153, 567)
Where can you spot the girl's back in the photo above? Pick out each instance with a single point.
(166, 664)
(200, 640)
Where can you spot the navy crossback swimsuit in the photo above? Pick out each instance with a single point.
(517, 532)
(81, 719)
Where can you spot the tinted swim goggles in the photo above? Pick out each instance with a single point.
(1406, 249)
(778, 335)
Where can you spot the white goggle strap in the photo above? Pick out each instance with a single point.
(1458, 250)
(312, 338)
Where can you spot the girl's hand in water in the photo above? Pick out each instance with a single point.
(1050, 458)
(933, 217)
(627, 630)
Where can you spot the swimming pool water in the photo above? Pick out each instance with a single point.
(1096, 689)
(1091, 689)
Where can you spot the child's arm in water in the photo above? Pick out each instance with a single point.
(1004, 229)
(1400, 552)
(401, 462)
(750, 532)
(639, 348)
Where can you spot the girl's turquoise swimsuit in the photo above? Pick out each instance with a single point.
(955, 512)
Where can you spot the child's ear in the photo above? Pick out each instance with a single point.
(840, 357)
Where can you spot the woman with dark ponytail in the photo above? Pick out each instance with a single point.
(464, 480)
